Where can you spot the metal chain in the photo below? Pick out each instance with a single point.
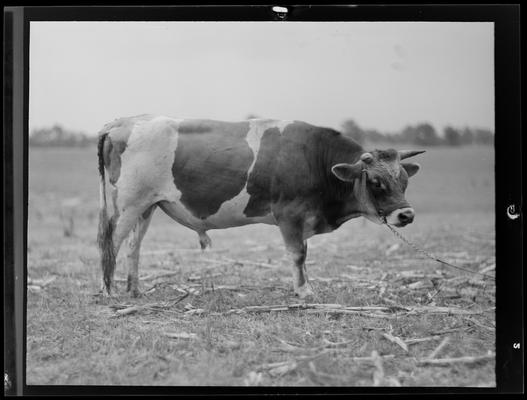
(382, 216)
(424, 252)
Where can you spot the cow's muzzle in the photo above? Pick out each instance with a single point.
(401, 217)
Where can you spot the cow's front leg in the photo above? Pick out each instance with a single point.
(296, 247)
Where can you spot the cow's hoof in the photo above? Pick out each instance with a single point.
(204, 241)
(104, 297)
(304, 291)
(105, 293)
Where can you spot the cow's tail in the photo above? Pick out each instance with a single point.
(106, 225)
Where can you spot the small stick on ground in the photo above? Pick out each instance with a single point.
(129, 310)
(421, 340)
(448, 310)
(194, 278)
(438, 349)
(150, 277)
(294, 362)
(378, 374)
(370, 359)
(249, 262)
(476, 322)
(395, 339)
(176, 250)
(451, 330)
(162, 306)
(165, 275)
(458, 360)
(41, 282)
(416, 275)
(328, 344)
(224, 261)
(285, 346)
(220, 262)
(180, 335)
(488, 269)
(371, 311)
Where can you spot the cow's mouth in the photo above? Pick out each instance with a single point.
(400, 224)
(400, 217)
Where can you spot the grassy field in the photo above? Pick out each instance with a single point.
(196, 324)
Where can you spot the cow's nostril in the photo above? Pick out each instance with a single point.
(406, 216)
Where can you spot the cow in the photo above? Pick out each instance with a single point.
(207, 174)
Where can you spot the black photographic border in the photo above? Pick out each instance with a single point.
(508, 175)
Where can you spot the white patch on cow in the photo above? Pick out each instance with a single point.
(282, 124)
(231, 212)
(145, 162)
(146, 169)
(271, 123)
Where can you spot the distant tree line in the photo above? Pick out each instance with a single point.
(423, 134)
(58, 136)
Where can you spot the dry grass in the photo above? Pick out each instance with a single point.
(75, 339)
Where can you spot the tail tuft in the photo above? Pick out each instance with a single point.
(106, 249)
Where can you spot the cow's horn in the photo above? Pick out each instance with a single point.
(367, 158)
(409, 153)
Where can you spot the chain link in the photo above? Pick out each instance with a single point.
(425, 253)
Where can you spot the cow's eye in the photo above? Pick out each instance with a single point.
(378, 186)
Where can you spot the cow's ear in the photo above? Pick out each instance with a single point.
(411, 168)
(347, 172)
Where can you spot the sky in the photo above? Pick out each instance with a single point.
(383, 75)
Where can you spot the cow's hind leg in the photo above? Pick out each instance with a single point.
(134, 246)
(122, 224)
(297, 249)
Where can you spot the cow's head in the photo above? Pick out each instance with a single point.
(380, 180)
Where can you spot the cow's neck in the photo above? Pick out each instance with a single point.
(339, 203)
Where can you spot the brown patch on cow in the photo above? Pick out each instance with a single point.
(259, 183)
(211, 163)
(112, 158)
(196, 126)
